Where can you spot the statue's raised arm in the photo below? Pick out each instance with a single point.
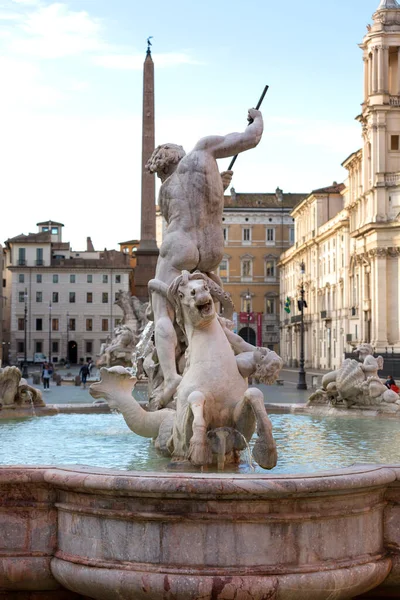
(234, 143)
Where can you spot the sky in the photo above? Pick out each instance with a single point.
(71, 100)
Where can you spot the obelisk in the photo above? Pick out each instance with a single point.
(147, 251)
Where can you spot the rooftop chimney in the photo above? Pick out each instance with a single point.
(89, 245)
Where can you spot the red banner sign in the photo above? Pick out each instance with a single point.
(245, 317)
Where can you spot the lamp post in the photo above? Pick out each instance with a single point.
(67, 353)
(248, 298)
(50, 307)
(25, 373)
(302, 304)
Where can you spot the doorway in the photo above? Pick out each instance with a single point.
(248, 334)
(72, 352)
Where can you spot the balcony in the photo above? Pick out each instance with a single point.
(21, 262)
(39, 262)
(326, 315)
(295, 319)
(394, 100)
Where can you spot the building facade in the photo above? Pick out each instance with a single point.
(361, 240)
(257, 229)
(61, 302)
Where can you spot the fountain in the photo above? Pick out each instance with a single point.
(75, 532)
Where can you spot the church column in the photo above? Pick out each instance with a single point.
(374, 70)
(385, 58)
(380, 299)
(398, 70)
(366, 77)
(380, 69)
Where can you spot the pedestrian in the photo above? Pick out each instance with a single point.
(46, 376)
(389, 382)
(83, 373)
(90, 365)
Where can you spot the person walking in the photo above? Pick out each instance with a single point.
(83, 374)
(46, 376)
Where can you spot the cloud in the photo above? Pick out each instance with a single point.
(135, 61)
(54, 31)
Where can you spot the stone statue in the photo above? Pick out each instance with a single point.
(191, 199)
(355, 383)
(216, 413)
(119, 349)
(200, 407)
(15, 391)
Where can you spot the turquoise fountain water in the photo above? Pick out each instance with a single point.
(305, 444)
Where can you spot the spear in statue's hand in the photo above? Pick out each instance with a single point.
(250, 121)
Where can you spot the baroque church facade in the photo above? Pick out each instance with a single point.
(347, 236)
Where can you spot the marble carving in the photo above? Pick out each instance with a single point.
(202, 410)
(356, 383)
(119, 349)
(15, 391)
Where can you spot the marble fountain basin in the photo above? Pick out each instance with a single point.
(71, 532)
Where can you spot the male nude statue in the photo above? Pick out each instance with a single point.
(191, 199)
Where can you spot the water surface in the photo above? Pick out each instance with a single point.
(305, 444)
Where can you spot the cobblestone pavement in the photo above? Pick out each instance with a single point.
(71, 394)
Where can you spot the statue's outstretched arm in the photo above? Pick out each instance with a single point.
(238, 344)
(234, 143)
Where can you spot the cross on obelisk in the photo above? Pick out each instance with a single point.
(147, 252)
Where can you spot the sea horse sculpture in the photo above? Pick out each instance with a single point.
(216, 413)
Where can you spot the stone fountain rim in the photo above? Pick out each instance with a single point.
(93, 480)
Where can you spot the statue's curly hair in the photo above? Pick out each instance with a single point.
(163, 156)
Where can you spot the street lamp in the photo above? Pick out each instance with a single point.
(67, 353)
(50, 307)
(302, 304)
(248, 298)
(25, 373)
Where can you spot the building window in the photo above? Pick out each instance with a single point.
(55, 297)
(246, 233)
(118, 279)
(39, 257)
(225, 230)
(20, 347)
(223, 270)
(104, 297)
(89, 324)
(116, 295)
(54, 347)
(39, 325)
(71, 325)
(89, 297)
(39, 296)
(89, 278)
(38, 347)
(89, 347)
(72, 278)
(291, 235)
(21, 324)
(246, 304)
(54, 230)
(395, 142)
(21, 297)
(270, 306)
(55, 278)
(270, 235)
(21, 257)
(104, 324)
(105, 278)
(39, 278)
(21, 278)
(270, 268)
(246, 268)
(72, 297)
(55, 324)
